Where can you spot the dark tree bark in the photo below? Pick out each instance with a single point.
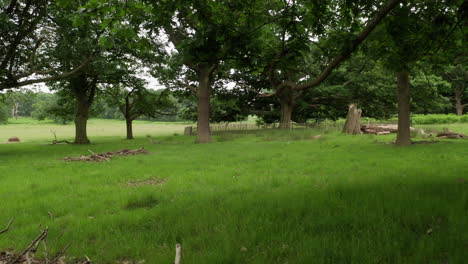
(81, 120)
(459, 106)
(84, 89)
(129, 123)
(203, 106)
(127, 112)
(286, 97)
(404, 122)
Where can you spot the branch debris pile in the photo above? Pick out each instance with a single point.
(102, 157)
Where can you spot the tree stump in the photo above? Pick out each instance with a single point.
(353, 121)
(188, 131)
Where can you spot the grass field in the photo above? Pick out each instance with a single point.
(31, 130)
(269, 197)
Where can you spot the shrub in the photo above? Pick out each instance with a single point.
(437, 119)
(4, 114)
(464, 119)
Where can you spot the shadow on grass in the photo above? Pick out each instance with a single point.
(398, 222)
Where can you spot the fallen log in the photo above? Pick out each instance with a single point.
(380, 129)
(451, 135)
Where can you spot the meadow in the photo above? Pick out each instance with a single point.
(266, 197)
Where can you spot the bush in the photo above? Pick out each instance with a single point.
(4, 114)
(438, 119)
(464, 119)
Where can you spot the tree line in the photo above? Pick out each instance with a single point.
(282, 60)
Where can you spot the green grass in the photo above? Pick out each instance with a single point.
(31, 130)
(269, 197)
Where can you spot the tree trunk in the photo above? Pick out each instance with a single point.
(403, 136)
(129, 128)
(458, 102)
(203, 106)
(287, 107)
(81, 120)
(353, 121)
(14, 110)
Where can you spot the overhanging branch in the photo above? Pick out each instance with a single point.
(16, 84)
(338, 59)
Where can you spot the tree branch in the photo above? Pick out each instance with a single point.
(8, 226)
(16, 84)
(338, 59)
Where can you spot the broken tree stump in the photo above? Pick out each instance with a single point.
(353, 120)
(188, 131)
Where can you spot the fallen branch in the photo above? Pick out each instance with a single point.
(451, 135)
(178, 256)
(56, 141)
(8, 226)
(33, 244)
(60, 254)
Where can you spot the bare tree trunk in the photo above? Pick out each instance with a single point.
(353, 121)
(459, 108)
(287, 107)
(84, 91)
(16, 110)
(286, 114)
(129, 123)
(81, 120)
(458, 102)
(203, 105)
(404, 123)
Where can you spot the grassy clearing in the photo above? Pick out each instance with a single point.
(31, 130)
(270, 197)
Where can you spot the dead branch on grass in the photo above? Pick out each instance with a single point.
(8, 226)
(178, 256)
(56, 141)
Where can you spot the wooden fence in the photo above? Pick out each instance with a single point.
(236, 128)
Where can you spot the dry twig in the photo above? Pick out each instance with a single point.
(8, 226)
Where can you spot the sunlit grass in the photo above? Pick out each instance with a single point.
(30, 130)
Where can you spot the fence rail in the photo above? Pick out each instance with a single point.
(253, 128)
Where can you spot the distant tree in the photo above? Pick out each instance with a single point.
(20, 102)
(58, 107)
(134, 100)
(457, 76)
(4, 113)
(430, 90)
